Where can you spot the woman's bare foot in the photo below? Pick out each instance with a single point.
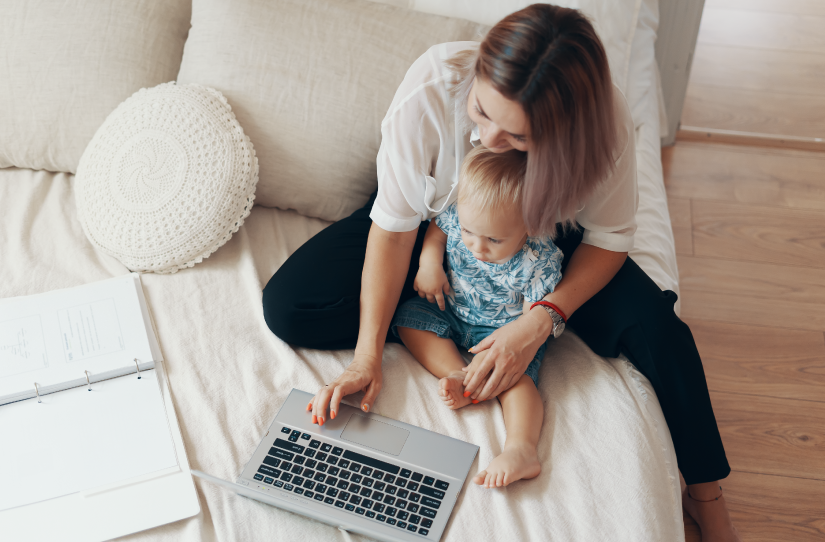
(451, 390)
(713, 519)
(516, 462)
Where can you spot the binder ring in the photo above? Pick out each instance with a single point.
(87, 380)
(138, 368)
(37, 392)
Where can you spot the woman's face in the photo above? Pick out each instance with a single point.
(502, 124)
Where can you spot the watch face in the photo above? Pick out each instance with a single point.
(558, 330)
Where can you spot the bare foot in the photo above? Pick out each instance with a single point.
(451, 390)
(516, 462)
(713, 519)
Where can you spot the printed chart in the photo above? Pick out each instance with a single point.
(90, 329)
(22, 348)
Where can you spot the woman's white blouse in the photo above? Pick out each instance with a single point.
(422, 147)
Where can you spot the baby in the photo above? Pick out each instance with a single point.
(496, 271)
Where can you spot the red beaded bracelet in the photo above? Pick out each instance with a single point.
(552, 306)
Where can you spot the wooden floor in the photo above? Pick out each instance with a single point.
(749, 224)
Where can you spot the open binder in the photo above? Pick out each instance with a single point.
(90, 438)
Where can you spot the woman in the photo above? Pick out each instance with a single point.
(538, 83)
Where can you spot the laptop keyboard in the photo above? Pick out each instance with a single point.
(352, 481)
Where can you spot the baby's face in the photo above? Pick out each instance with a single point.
(492, 236)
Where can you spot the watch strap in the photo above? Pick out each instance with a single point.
(552, 306)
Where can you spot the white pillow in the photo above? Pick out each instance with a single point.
(65, 65)
(167, 179)
(311, 81)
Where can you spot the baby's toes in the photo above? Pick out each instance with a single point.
(479, 478)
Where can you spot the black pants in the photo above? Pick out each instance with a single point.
(313, 301)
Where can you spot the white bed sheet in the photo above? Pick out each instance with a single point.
(609, 470)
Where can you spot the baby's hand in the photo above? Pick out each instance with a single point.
(431, 283)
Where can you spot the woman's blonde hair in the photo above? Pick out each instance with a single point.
(492, 180)
(549, 60)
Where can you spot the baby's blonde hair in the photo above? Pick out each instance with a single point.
(492, 180)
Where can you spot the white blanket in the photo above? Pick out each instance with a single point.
(609, 470)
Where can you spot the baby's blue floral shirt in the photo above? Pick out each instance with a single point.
(490, 294)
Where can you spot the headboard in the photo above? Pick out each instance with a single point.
(676, 40)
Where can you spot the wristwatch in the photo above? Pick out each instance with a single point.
(558, 321)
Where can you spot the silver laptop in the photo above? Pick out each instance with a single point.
(363, 473)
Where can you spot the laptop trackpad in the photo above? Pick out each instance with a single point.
(374, 434)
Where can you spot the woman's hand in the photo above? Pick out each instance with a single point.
(431, 283)
(363, 374)
(503, 356)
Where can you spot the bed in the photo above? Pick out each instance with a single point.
(609, 469)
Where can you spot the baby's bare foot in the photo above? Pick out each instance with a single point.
(451, 390)
(516, 462)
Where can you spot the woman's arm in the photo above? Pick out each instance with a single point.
(508, 351)
(385, 270)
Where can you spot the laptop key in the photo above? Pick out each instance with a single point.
(334, 471)
(308, 473)
(306, 436)
(391, 521)
(279, 483)
(379, 486)
(441, 484)
(288, 446)
(309, 452)
(406, 473)
(415, 519)
(297, 469)
(296, 432)
(356, 479)
(355, 499)
(416, 477)
(377, 496)
(289, 487)
(366, 471)
(259, 477)
(286, 466)
(372, 462)
(403, 515)
(309, 484)
(415, 497)
(368, 482)
(389, 478)
(424, 532)
(402, 525)
(343, 484)
(379, 507)
(412, 486)
(272, 461)
(320, 476)
(403, 494)
(381, 517)
(355, 467)
(286, 430)
(412, 508)
(360, 510)
(343, 463)
(281, 454)
(427, 523)
(411, 528)
(354, 488)
(309, 494)
(331, 480)
(319, 497)
(322, 467)
(339, 504)
(350, 507)
(298, 481)
(293, 438)
(366, 503)
(329, 500)
(429, 480)
(400, 482)
(389, 499)
(320, 456)
(345, 474)
(378, 475)
(432, 503)
(286, 477)
(370, 514)
(265, 469)
(311, 463)
(432, 492)
(299, 490)
(392, 490)
(326, 447)
(332, 492)
(391, 511)
(365, 492)
(299, 459)
(315, 444)
(321, 488)
(427, 512)
(401, 504)
(332, 460)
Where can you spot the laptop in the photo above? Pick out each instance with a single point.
(360, 472)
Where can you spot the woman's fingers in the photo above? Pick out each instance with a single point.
(369, 398)
(485, 391)
(335, 401)
(479, 368)
(484, 344)
(320, 403)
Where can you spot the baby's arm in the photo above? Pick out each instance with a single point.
(431, 281)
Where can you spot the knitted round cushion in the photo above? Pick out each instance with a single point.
(167, 178)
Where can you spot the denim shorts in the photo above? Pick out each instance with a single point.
(418, 313)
